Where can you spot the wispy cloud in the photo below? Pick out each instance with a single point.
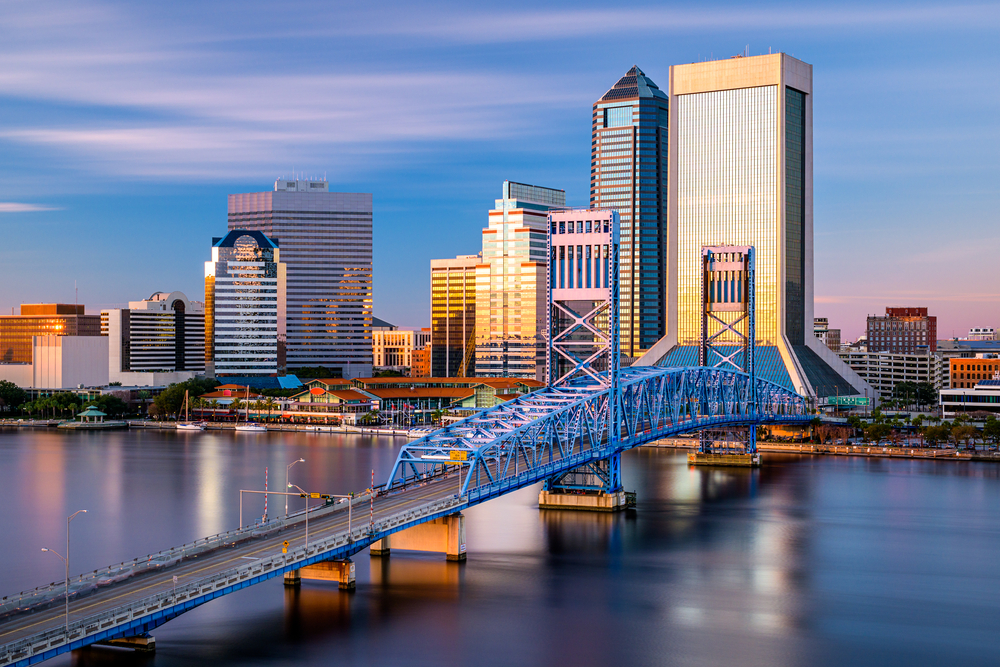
(17, 207)
(519, 25)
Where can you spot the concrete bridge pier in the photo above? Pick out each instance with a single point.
(592, 487)
(144, 643)
(341, 571)
(446, 534)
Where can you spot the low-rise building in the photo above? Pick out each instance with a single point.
(982, 333)
(883, 370)
(407, 401)
(420, 362)
(42, 319)
(829, 337)
(157, 341)
(983, 397)
(968, 372)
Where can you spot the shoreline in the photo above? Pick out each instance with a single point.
(870, 451)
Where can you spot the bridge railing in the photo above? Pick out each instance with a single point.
(191, 591)
(83, 584)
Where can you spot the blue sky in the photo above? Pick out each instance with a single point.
(124, 125)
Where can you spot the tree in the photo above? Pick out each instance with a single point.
(964, 433)
(876, 432)
(270, 405)
(214, 405)
(11, 395)
(855, 423)
(991, 429)
(936, 434)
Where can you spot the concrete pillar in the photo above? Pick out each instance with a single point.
(341, 571)
(445, 535)
(293, 578)
(587, 502)
(143, 643)
(380, 548)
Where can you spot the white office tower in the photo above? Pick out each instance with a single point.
(326, 243)
(155, 341)
(244, 306)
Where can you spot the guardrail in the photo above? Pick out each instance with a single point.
(83, 584)
(191, 592)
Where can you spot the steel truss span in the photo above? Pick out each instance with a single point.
(551, 431)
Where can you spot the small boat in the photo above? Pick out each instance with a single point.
(251, 427)
(189, 425)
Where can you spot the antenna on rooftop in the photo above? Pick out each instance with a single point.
(76, 295)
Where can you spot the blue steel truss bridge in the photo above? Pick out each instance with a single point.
(541, 437)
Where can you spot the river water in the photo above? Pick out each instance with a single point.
(808, 561)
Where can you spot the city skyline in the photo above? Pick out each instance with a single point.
(104, 127)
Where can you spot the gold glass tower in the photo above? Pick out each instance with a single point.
(740, 173)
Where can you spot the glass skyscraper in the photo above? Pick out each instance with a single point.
(511, 296)
(326, 242)
(244, 305)
(740, 173)
(453, 316)
(628, 174)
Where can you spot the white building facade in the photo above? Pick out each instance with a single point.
(155, 341)
(244, 306)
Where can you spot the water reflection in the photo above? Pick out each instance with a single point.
(807, 561)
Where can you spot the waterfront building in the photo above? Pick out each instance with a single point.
(826, 335)
(511, 296)
(157, 341)
(982, 397)
(628, 174)
(453, 316)
(740, 173)
(42, 319)
(326, 244)
(902, 331)
(244, 306)
(884, 370)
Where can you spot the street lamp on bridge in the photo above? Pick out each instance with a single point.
(65, 560)
(288, 469)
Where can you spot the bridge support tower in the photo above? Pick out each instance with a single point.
(584, 346)
(728, 340)
(446, 534)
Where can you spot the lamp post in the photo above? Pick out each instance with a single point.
(288, 468)
(65, 560)
(306, 495)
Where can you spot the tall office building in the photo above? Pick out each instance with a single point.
(453, 316)
(326, 243)
(244, 305)
(42, 319)
(740, 173)
(155, 341)
(511, 297)
(628, 173)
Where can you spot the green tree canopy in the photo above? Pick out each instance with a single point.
(11, 396)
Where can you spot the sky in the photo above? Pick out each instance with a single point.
(124, 125)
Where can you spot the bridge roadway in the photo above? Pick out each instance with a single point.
(209, 566)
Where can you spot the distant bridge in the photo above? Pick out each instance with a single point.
(533, 438)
